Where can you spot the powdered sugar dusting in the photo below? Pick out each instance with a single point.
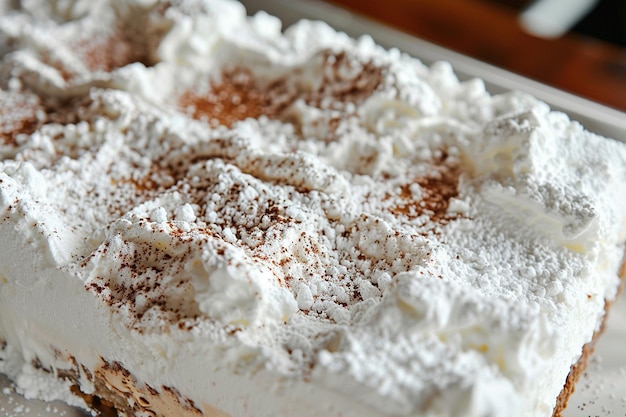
(337, 214)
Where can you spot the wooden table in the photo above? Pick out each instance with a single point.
(490, 32)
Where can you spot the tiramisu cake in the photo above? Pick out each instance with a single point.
(203, 216)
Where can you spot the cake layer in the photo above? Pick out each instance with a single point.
(202, 215)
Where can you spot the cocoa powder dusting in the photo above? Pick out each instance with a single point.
(236, 97)
(130, 41)
(436, 192)
(354, 88)
(107, 52)
(156, 179)
(19, 114)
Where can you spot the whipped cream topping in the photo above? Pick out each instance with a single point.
(367, 235)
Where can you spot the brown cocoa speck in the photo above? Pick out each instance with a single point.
(341, 89)
(235, 97)
(436, 192)
(18, 116)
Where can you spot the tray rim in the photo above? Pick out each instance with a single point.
(595, 117)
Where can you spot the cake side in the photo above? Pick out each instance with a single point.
(362, 234)
(579, 367)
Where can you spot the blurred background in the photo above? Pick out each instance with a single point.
(575, 45)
